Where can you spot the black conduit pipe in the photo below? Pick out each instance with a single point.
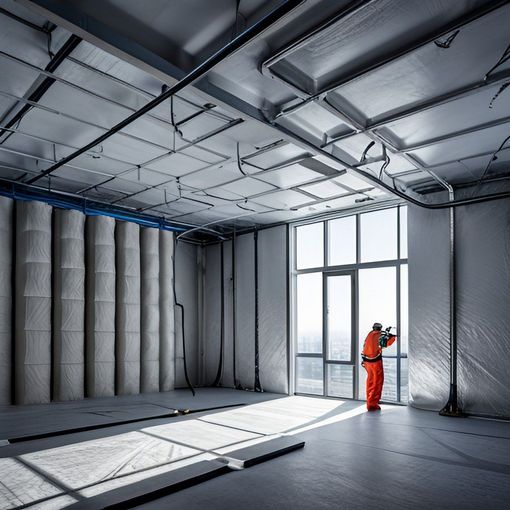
(219, 374)
(197, 73)
(65, 50)
(256, 386)
(181, 307)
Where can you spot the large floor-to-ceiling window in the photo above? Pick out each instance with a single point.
(348, 273)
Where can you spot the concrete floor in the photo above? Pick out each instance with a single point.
(398, 458)
(19, 421)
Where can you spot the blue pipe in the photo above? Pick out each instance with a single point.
(89, 209)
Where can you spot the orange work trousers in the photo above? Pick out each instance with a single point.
(375, 381)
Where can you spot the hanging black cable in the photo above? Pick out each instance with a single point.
(65, 50)
(219, 374)
(257, 386)
(237, 384)
(181, 307)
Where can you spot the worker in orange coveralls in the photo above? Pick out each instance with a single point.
(373, 363)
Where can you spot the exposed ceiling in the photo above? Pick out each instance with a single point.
(412, 93)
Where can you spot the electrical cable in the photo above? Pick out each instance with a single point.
(240, 162)
(219, 374)
(486, 170)
(256, 386)
(504, 57)
(181, 307)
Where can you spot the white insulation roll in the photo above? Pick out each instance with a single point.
(128, 309)
(166, 312)
(149, 242)
(6, 207)
(100, 307)
(33, 303)
(68, 305)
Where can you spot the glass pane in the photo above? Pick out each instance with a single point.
(403, 232)
(377, 302)
(404, 380)
(310, 246)
(379, 235)
(339, 318)
(342, 241)
(404, 310)
(309, 313)
(340, 381)
(309, 376)
(389, 392)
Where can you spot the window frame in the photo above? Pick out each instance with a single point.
(326, 271)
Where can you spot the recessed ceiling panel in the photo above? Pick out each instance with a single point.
(284, 199)
(473, 144)
(352, 182)
(357, 39)
(146, 176)
(247, 187)
(315, 121)
(324, 189)
(176, 165)
(289, 176)
(284, 153)
(212, 176)
(432, 70)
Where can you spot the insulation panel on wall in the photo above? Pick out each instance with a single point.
(149, 239)
(127, 349)
(6, 247)
(273, 276)
(100, 307)
(429, 305)
(68, 305)
(166, 312)
(245, 310)
(33, 303)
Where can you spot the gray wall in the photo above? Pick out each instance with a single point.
(186, 287)
(272, 316)
(483, 301)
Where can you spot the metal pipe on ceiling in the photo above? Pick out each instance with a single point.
(19, 19)
(197, 73)
(64, 51)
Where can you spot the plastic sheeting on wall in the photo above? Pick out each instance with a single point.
(127, 323)
(273, 276)
(245, 310)
(483, 304)
(68, 305)
(33, 303)
(186, 283)
(6, 208)
(166, 312)
(429, 307)
(212, 313)
(227, 378)
(100, 307)
(149, 378)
